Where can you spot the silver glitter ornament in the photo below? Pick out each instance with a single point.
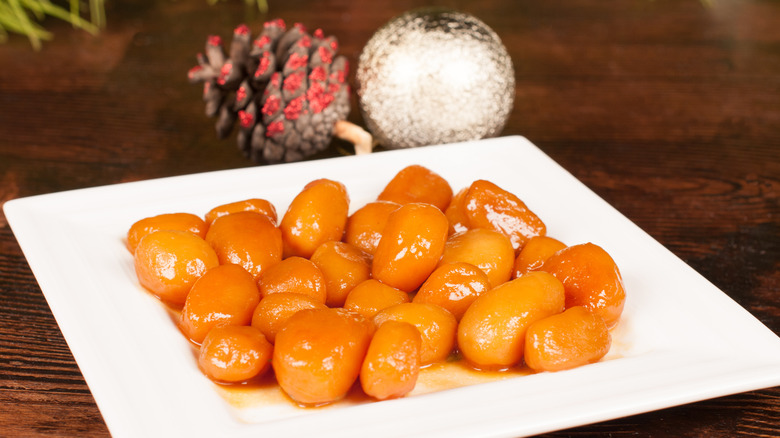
(434, 76)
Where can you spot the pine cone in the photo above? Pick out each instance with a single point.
(286, 89)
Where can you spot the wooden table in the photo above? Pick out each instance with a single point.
(668, 110)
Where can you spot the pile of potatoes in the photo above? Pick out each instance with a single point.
(324, 299)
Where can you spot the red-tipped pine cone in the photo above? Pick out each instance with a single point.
(286, 89)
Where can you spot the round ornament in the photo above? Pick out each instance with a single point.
(434, 76)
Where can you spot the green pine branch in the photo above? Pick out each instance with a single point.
(24, 16)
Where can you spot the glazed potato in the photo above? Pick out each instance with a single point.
(567, 340)
(261, 206)
(248, 239)
(486, 249)
(456, 213)
(412, 243)
(371, 296)
(364, 227)
(535, 253)
(318, 354)
(491, 334)
(392, 362)
(165, 222)
(591, 279)
(318, 214)
(168, 263)
(327, 298)
(344, 266)
(224, 295)
(453, 286)
(417, 183)
(274, 310)
(437, 327)
(233, 354)
(489, 206)
(294, 275)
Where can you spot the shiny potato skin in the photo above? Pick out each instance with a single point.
(233, 354)
(392, 363)
(294, 275)
(257, 205)
(567, 340)
(412, 243)
(456, 213)
(224, 295)
(318, 354)
(486, 249)
(591, 279)
(535, 252)
(437, 326)
(364, 227)
(316, 215)
(167, 263)
(372, 296)
(491, 334)
(453, 286)
(247, 238)
(416, 183)
(165, 222)
(489, 206)
(343, 266)
(273, 311)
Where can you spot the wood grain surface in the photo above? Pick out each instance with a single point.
(669, 110)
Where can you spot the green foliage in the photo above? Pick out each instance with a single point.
(24, 17)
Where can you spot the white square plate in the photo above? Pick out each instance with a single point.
(680, 340)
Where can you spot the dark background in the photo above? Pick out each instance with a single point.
(669, 110)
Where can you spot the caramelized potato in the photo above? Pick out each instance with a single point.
(224, 295)
(534, 253)
(567, 340)
(456, 213)
(411, 245)
(591, 279)
(294, 275)
(364, 227)
(488, 250)
(318, 214)
(254, 204)
(453, 286)
(327, 298)
(234, 354)
(274, 310)
(344, 267)
(318, 354)
(491, 334)
(248, 239)
(489, 206)
(416, 183)
(168, 222)
(392, 362)
(371, 296)
(167, 263)
(437, 327)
